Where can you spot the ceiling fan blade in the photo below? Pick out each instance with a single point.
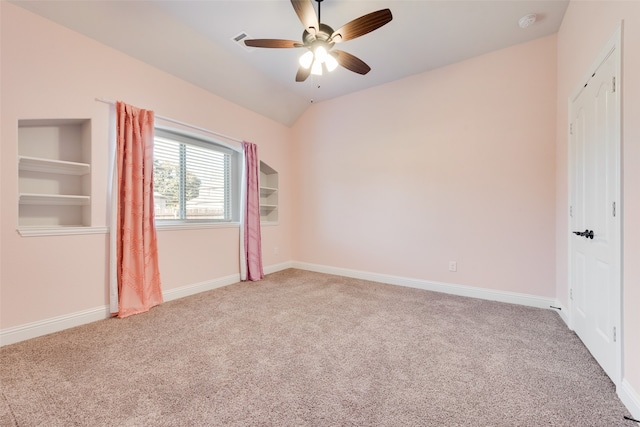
(350, 62)
(273, 43)
(307, 15)
(361, 26)
(302, 74)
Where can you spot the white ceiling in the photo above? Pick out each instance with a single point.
(194, 41)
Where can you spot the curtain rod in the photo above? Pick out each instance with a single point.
(178, 122)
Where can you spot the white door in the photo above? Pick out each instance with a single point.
(595, 214)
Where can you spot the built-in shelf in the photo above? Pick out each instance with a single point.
(36, 164)
(54, 174)
(268, 194)
(54, 199)
(267, 190)
(37, 231)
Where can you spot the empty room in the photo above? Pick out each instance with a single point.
(320, 213)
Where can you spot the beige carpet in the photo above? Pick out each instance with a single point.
(308, 349)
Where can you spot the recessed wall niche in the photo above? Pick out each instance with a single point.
(54, 173)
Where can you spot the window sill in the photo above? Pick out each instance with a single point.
(195, 225)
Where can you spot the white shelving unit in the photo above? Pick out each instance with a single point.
(54, 173)
(268, 194)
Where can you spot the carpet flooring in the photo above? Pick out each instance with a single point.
(308, 349)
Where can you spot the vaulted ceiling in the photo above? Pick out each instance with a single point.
(194, 40)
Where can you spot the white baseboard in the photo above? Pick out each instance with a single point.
(196, 288)
(66, 321)
(59, 323)
(449, 288)
(53, 324)
(630, 398)
(277, 267)
(208, 285)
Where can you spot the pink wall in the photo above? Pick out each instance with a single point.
(464, 163)
(586, 28)
(454, 164)
(51, 72)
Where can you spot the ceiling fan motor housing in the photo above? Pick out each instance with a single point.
(324, 34)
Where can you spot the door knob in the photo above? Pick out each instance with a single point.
(586, 233)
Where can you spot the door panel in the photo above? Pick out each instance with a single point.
(595, 268)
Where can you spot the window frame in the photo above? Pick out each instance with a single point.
(202, 140)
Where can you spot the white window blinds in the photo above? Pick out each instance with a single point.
(192, 179)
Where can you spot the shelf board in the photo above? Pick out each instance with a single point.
(61, 230)
(37, 164)
(53, 199)
(268, 207)
(268, 190)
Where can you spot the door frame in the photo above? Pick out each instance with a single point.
(613, 47)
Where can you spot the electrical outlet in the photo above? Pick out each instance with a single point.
(453, 266)
(276, 250)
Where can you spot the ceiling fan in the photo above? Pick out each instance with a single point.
(320, 38)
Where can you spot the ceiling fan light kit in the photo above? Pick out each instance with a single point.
(320, 38)
(316, 58)
(306, 59)
(331, 63)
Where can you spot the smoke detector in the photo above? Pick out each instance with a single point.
(527, 20)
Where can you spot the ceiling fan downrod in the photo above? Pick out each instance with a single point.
(319, 2)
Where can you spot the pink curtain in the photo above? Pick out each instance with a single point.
(251, 224)
(137, 250)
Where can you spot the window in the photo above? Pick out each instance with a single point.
(194, 179)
